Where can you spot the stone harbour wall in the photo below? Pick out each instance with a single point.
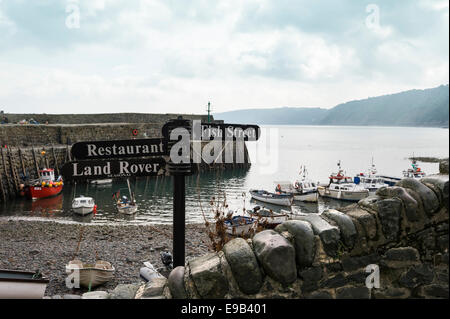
(402, 229)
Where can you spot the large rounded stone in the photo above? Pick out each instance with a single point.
(411, 205)
(440, 182)
(176, 283)
(208, 277)
(305, 244)
(345, 224)
(329, 234)
(124, 291)
(276, 255)
(389, 212)
(244, 265)
(428, 197)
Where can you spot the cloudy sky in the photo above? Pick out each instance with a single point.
(64, 56)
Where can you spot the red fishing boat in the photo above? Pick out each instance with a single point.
(46, 186)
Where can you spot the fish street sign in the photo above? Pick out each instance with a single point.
(118, 149)
(226, 132)
(102, 169)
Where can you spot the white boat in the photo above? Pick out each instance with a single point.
(16, 284)
(272, 198)
(91, 275)
(414, 172)
(370, 181)
(267, 217)
(240, 225)
(102, 181)
(342, 187)
(303, 189)
(125, 205)
(83, 205)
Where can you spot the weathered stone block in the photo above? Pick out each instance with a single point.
(176, 283)
(95, 295)
(328, 234)
(354, 263)
(352, 293)
(152, 288)
(345, 224)
(440, 182)
(389, 212)
(304, 241)
(416, 276)
(401, 257)
(276, 255)
(411, 205)
(124, 291)
(429, 198)
(320, 294)
(366, 220)
(434, 291)
(208, 277)
(310, 276)
(391, 293)
(244, 265)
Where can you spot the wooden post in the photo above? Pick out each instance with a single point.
(36, 163)
(24, 172)
(1, 186)
(55, 160)
(6, 174)
(13, 169)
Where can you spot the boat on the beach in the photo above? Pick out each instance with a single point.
(101, 181)
(17, 284)
(45, 186)
(343, 187)
(303, 189)
(370, 181)
(125, 205)
(240, 225)
(414, 172)
(267, 217)
(282, 199)
(83, 205)
(91, 275)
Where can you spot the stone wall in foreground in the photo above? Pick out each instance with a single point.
(402, 229)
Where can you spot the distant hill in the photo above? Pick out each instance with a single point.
(429, 107)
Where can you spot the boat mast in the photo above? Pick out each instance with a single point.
(129, 190)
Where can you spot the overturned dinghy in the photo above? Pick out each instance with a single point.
(91, 275)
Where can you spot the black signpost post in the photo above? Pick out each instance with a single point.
(124, 158)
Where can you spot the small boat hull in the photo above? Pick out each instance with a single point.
(128, 209)
(342, 194)
(83, 210)
(240, 225)
(269, 220)
(308, 197)
(37, 192)
(21, 285)
(91, 276)
(102, 181)
(266, 197)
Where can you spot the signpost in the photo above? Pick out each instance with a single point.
(124, 158)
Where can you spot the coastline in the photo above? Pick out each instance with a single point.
(49, 246)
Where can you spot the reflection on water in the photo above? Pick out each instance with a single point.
(319, 148)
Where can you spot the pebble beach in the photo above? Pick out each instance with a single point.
(49, 246)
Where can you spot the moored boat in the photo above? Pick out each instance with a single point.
(370, 181)
(282, 199)
(267, 217)
(45, 186)
(125, 205)
(16, 284)
(240, 225)
(83, 205)
(101, 181)
(91, 275)
(414, 172)
(342, 187)
(303, 189)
